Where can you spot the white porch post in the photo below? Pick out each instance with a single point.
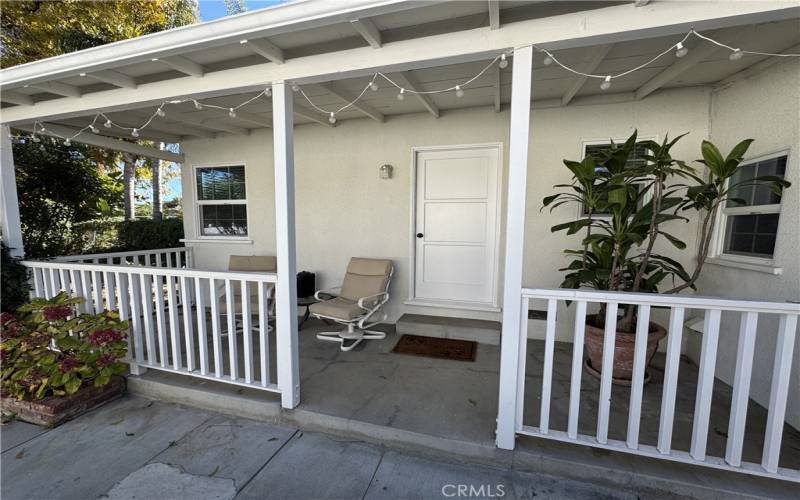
(511, 343)
(9, 204)
(286, 288)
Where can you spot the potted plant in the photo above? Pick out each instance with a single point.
(57, 362)
(627, 208)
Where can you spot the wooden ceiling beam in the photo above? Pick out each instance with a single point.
(406, 80)
(367, 29)
(184, 65)
(58, 88)
(16, 98)
(113, 77)
(359, 106)
(598, 54)
(265, 49)
(494, 14)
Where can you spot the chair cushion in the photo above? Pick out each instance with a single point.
(253, 263)
(338, 308)
(365, 277)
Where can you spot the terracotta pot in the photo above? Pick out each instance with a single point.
(623, 349)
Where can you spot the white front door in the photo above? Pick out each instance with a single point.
(456, 224)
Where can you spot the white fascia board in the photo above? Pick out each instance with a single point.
(285, 18)
(607, 25)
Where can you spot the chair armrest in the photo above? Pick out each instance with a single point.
(331, 292)
(362, 299)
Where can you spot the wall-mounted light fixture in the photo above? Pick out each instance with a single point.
(386, 171)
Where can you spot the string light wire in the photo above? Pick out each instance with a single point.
(372, 84)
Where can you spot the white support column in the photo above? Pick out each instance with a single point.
(515, 229)
(9, 204)
(286, 288)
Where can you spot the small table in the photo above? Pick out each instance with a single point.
(305, 302)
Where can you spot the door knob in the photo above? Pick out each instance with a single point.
(420, 235)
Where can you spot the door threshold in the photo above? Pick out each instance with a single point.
(453, 304)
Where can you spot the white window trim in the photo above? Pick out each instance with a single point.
(597, 142)
(748, 262)
(198, 231)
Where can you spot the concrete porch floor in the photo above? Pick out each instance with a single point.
(457, 402)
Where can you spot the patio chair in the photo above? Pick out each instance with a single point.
(363, 293)
(249, 263)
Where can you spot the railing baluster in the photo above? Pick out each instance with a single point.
(741, 388)
(547, 369)
(521, 361)
(607, 373)
(263, 333)
(247, 333)
(147, 315)
(86, 283)
(577, 369)
(188, 330)
(705, 384)
(97, 291)
(136, 314)
(38, 282)
(62, 276)
(637, 379)
(75, 284)
(53, 283)
(122, 295)
(215, 328)
(174, 325)
(779, 392)
(230, 307)
(202, 339)
(110, 291)
(670, 386)
(158, 290)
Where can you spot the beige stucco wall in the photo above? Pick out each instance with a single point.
(343, 209)
(766, 108)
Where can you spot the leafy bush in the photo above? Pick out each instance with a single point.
(14, 282)
(49, 348)
(150, 234)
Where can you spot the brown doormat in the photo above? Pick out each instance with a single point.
(431, 347)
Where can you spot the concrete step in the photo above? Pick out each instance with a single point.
(478, 330)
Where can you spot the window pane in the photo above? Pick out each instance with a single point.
(237, 191)
(752, 235)
(763, 194)
(221, 183)
(745, 193)
(223, 220)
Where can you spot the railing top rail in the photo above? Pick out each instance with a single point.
(680, 300)
(155, 271)
(69, 258)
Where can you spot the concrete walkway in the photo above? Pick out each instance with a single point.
(137, 448)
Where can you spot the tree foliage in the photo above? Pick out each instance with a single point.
(33, 29)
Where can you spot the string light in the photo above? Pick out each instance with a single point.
(501, 60)
(67, 142)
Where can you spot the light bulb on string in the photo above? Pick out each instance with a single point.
(736, 55)
(332, 118)
(94, 129)
(503, 61)
(35, 138)
(268, 91)
(232, 113)
(67, 142)
(680, 50)
(197, 105)
(107, 124)
(160, 112)
(295, 87)
(548, 60)
(459, 91)
(606, 83)
(373, 86)
(135, 133)
(401, 95)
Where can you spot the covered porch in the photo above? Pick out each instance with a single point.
(530, 389)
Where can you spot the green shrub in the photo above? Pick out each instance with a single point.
(150, 234)
(15, 288)
(48, 348)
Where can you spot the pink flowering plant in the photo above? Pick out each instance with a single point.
(48, 348)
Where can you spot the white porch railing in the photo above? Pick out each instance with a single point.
(170, 310)
(678, 304)
(162, 257)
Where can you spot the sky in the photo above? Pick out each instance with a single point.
(214, 9)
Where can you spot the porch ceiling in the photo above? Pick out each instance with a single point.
(553, 86)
